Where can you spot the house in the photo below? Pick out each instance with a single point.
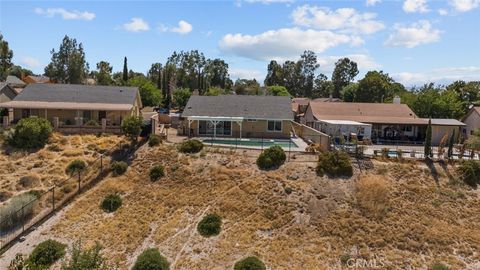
(346, 128)
(471, 121)
(70, 106)
(299, 106)
(442, 129)
(15, 82)
(237, 116)
(36, 79)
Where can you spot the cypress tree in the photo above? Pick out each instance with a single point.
(450, 145)
(428, 140)
(125, 70)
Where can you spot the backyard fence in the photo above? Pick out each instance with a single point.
(23, 212)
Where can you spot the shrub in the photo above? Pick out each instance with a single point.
(210, 225)
(334, 164)
(119, 167)
(249, 263)
(76, 166)
(469, 171)
(46, 253)
(272, 157)
(54, 148)
(85, 258)
(156, 173)
(154, 140)
(440, 266)
(372, 195)
(191, 146)
(151, 259)
(132, 126)
(31, 133)
(91, 123)
(11, 214)
(111, 203)
(29, 180)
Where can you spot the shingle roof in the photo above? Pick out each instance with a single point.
(256, 107)
(14, 80)
(381, 113)
(39, 79)
(7, 90)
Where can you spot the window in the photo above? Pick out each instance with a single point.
(407, 128)
(274, 126)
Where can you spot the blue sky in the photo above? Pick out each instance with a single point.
(413, 40)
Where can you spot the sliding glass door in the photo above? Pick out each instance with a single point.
(223, 128)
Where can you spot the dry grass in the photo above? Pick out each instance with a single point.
(310, 228)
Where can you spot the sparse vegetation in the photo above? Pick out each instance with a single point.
(440, 266)
(154, 140)
(372, 195)
(119, 167)
(249, 263)
(271, 158)
(151, 259)
(157, 172)
(46, 254)
(334, 164)
(12, 215)
(111, 203)
(210, 225)
(469, 171)
(191, 146)
(131, 127)
(91, 123)
(31, 133)
(83, 259)
(76, 166)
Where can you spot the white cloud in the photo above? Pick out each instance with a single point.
(364, 62)
(239, 73)
(346, 20)
(30, 62)
(136, 25)
(66, 15)
(443, 12)
(412, 6)
(411, 36)
(439, 75)
(464, 5)
(371, 3)
(285, 43)
(183, 28)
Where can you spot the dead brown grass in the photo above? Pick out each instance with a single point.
(372, 195)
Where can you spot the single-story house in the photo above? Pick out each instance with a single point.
(36, 79)
(472, 122)
(390, 122)
(237, 116)
(75, 105)
(300, 105)
(444, 128)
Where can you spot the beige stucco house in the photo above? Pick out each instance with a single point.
(75, 106)
(472, 121)
(237, 116)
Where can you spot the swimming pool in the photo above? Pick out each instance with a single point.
(257, 143)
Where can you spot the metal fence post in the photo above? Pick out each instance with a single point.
(262, 141)
(23, 218)
(101, 164)
(79, 178)
(289, 148)
(53, 198)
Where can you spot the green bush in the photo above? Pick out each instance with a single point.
(154, 140)
(210, 225)
(119, 167)
(91, 123)
(111, 203)
(249, 263)
(151, 259)
(272, 157)
(469, 171)
(440, 266)
(334, 164)
(11, 214)
(46, 254)
(156, 173)
(31, 133)
(191, 146)
(132, 126)
(76, 166)
(85, 258)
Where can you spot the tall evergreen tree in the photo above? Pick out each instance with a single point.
(104, 73)
(125, 70)
(344, 72)
(428, 141)
(450, 145)
(274, 74)
(6, 55)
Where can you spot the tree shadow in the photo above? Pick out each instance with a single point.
(433, 170)
(446, 170)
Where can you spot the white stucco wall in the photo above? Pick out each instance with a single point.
(472, 122)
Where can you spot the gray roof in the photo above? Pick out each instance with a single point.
(7, 90)
(14, 80)
(445, 122)
(75, 93)
(256, 107)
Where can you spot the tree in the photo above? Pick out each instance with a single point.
(344, 72)
(150, 95)
(19, 71)
(428, 141)
(473, 142)
(274, 74)
(375, 87)
(132, 126)
(436, 102)
(125, 70)
(308, 65)
(247, 87)
(214, 91)
(155, 74)
(68, 65)
(216, 71)
(450, 145)
(349, 92)
(292, 78)
(104, 73)
(30, 133)
(6, 55)
(180, 97)
(322, 87)
(276, 90)
(468, 93)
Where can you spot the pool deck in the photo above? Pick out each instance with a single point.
(300, 144)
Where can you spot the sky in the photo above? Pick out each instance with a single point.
(415, 41)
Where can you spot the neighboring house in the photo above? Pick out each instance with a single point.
(7, 93)
(299, 106)
(15, 82)
(472, 122)
(347, 128)
(238, 116)
(75, 105)
(36, 79)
